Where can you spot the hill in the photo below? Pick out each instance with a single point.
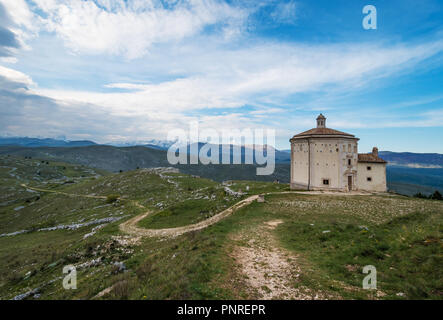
(401, 179)
(37, 142)
(108, 158)
(114, 159)
(298, 245)
(413, 160)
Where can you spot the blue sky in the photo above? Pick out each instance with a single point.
(135, 70)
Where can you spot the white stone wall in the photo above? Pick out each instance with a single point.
(328, 160)
(325, 164)
(377, 173)
(299, 164)
(348, 162)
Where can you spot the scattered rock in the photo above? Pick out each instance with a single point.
(26, 294)
(261, 198)
(351, 267)
(118, 267)
(232, 192)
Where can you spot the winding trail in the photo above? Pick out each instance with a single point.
(63, 193)
(130, 226)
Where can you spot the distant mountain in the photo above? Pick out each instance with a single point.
(96, 156)
(228, 150)
(114, 159)
(153, 143)
(47, 142)
(413, 160)
(402, 179)
(401, 159)
(409, 181)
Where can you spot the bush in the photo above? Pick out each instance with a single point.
(112, 198)
(437, 195)
(121, 290)
(420, 195)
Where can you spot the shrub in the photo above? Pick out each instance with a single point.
(420, 195)
(112, 198)
(121, 289)
(437, 195)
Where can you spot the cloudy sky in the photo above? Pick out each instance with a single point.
(125, 70)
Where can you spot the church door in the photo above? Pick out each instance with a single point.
(349, 183)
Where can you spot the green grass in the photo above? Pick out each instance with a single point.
(400, 236)
(185, 213)
(406, 252)
(257, 187)
(405, 246)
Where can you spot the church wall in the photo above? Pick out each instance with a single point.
(325, 164)
(348, 151)
(377, 175)
(299, 164)
(329, 161)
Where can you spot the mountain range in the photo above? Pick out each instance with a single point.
(407, 173)
(407, 159)
(45, 142)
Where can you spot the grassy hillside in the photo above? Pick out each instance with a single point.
(76, 219)
(424, 160)
(108, 158)
(114, 159)
(403, 180)
(410, 181)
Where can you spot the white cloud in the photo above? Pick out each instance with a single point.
(20, 13)
(251, 75)
(130, 28)
(285, 12)
(15, 76)
(21, 21)
(8, 60)
(184, 71)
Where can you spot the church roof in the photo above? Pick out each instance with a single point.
(370, 157)
(323, 132)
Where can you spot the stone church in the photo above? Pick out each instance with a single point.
(328, 159)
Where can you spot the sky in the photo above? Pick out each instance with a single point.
(133, 70)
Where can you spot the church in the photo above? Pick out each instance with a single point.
(326, 159)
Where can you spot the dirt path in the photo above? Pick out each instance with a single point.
(130, 226)
(63, 193)
(269, 271)
(328, 193)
